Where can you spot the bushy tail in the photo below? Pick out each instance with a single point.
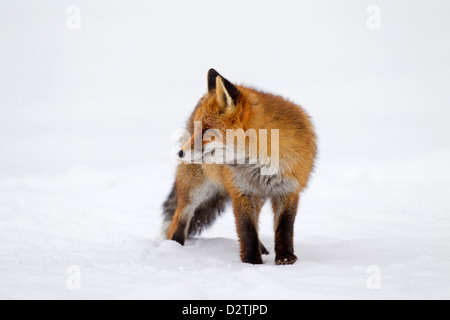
(207, 212)
(204, 215)
(169, 208)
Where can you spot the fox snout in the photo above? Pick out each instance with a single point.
(190, 147)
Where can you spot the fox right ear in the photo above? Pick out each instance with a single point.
(212, 76)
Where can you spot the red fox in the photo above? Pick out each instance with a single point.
(254, 173)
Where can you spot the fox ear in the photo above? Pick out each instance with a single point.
(212, 76)
(224, 98)
(224, 89)
(227, 94)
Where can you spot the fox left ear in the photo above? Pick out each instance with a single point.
(212, 76)
(227, 93)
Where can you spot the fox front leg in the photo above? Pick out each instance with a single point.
(179, 227)
(245, 211)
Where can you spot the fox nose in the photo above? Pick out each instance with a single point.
(181, 154)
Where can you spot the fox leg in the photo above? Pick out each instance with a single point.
(263, 249)
(180, 223)
(285, 209)
(187, 196)
(202, 200)
(245, 209)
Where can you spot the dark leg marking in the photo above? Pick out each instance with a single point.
(245, 210)
(285, 212)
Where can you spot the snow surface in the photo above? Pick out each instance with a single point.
(86, 121)
(107, 225)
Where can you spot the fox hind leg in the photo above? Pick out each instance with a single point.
(263, 249)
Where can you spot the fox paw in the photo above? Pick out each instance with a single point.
(285, 259)
(263, 249)
(252, 259)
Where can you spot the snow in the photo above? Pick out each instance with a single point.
(86, 121)
(107, 224)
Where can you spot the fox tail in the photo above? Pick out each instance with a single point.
(204, 215)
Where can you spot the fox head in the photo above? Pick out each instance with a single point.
(221, 109)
